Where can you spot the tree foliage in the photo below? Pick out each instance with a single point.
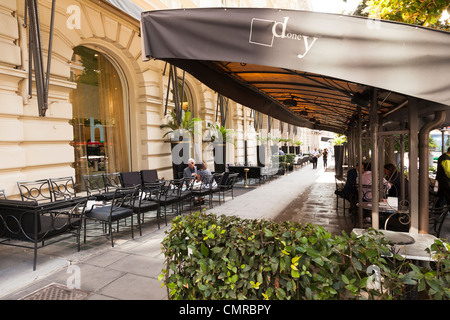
(425, 13)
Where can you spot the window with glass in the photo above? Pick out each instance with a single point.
(99, 119)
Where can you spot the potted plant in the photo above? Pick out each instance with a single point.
(297, 143)
(274, 146)
(220, 136)
(338, 143)
(291, 148)
(290, 158)
(180, 136)
(284, 147)
(261, 151)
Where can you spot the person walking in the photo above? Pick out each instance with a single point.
(315, 156)
(443, 178)
(325, 157)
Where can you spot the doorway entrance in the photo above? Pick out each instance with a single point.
(99, 118)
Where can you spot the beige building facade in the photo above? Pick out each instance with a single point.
(106, 104)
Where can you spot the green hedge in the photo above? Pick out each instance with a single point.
(222, 257)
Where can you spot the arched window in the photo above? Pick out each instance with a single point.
(99, 117)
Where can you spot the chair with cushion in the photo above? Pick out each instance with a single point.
(169, 194)
(220, 183)
(185, 193)
(150, 200)
(121, 207)
(175, 192)
(215, 182)
(202, 189)
(228, 184)
(46, 223)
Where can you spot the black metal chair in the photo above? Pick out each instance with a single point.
(95, 187)
(215, 182)
(130, 179)
(3, 194)
(169, 194)
(174, 193)
(185, 193)
(149, 176)
(228, 184)
(37, 190)
(220, 183)
(150, 200)
(203, 188)
(437, 218)
(62, 188)
(121, 207)
(340, 184)
(112, 182)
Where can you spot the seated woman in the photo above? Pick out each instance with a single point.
(204, 176)
(366, 181)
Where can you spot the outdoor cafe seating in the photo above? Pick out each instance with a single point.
(51, 210)
(41, 216)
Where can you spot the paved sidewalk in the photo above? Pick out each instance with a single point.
(130, 269)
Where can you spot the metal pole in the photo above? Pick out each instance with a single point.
(375, 162)
(36, 48)
(413, 187)
(50, 46)
(360, 196)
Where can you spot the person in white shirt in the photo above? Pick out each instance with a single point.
(315, 154)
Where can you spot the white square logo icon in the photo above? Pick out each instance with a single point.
(261, 32)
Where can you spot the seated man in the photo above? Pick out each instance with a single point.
(190, 170)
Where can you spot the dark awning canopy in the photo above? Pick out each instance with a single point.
(308, 69)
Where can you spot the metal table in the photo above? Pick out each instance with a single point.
(413, 251)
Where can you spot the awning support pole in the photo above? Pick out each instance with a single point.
(413, 167)
(374, 160)
(359, 149)
(424, 137)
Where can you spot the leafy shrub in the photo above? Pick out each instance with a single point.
(290, 157)
(211, 257)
